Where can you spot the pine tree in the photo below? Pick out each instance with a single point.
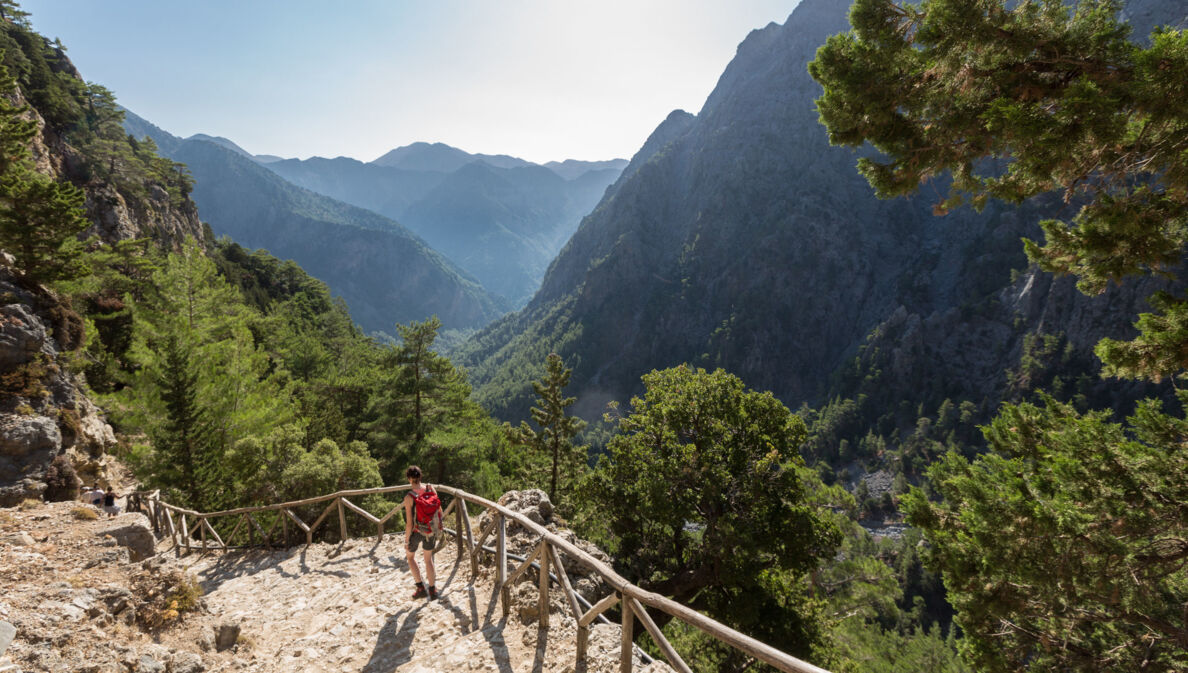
(554, 440)
(422, 392)
(202, 384)
(40, 219)
(1063, 549)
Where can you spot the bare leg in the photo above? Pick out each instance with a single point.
(416, 572)
(430, 571)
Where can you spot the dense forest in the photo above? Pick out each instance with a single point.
(1046, 534)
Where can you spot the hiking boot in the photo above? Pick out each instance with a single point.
(420, 592)
(432, 593)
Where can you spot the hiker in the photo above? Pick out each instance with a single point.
(418, 532)
(109, 505)
(96, 496)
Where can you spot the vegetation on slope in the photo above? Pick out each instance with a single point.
(1062, 547)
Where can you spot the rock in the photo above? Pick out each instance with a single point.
(21, 539)
(206, 640)
(533, 503)
(22, 436)
(186, 662)
(13, 494)
(134, 532)
(227, 634)
(147, 664)
(22, 336)
(7, 633)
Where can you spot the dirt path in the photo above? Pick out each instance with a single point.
(326, 608)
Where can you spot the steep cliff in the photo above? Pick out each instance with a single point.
(45, 411)
(739, 238)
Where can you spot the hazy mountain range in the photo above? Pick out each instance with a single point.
(500, 218)
(739, 238)
(386, 273)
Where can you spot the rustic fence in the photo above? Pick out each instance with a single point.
(273, 525)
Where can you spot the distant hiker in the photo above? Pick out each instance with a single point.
(421, 509)
(109, 505)
(97, 496)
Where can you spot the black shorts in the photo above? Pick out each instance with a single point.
(420, 539)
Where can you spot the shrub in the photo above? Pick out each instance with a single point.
(61, 480)
(28, 504)
(84, 513)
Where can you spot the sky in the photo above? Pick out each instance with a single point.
(539, 79)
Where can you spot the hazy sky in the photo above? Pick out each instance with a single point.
(539, 79)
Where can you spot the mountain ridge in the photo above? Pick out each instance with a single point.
(352, 249)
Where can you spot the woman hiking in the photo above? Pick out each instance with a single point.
(420, 534)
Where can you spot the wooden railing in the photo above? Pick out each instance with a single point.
(190, 530)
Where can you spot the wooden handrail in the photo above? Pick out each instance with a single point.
(550, 543)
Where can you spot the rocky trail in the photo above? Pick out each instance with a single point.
(78, 596)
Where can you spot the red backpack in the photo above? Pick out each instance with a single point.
(428, 507)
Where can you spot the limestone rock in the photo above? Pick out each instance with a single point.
(22, 335)
(533, 503)
(21, 540)
(227, 636)
(147, 664)
(7, 633)
(134, 532)
(186, 662)
(22, 436)
(12, 493)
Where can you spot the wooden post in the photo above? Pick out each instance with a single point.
(185, 531)
(501, 563)
(202, 532)
(470, 541)
(458, 523)
(563, 577)
(342, 527)
(669, 652)
(544, 584)
(583, 634)
(284, 529)
(627, 642)
(172, 530)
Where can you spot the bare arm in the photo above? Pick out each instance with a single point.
(408, 519)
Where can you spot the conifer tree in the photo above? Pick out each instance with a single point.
(40, 219)
(202, 384)
(421, 393)
(554, 439)
(1064, 548)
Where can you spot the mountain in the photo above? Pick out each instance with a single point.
(499, 218)
(739, 238)
(442, 158)
(386, 274)
(571, 169)
(229, 144)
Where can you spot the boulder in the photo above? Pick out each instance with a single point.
(7, 634)
(13, 493)
(533, 503)
(227, 634)
(186, 662)
(22, 435)
(22, 335)
(134, 532)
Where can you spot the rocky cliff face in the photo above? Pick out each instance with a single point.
(44, 408)
(739, 238)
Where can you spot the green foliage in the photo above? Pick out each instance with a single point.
(1064, 549)
(1061, 100)
(703, 498)
(421, 393)
(40, 218)
(554, 440)
(201, 384)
